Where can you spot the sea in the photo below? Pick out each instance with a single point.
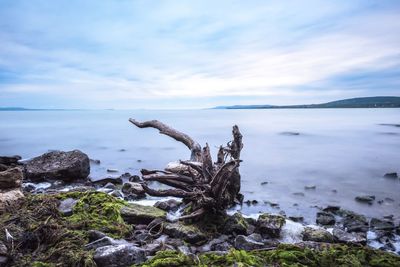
(338, 153)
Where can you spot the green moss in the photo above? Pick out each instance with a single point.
(99, 211)
(169, 258)
(283, 255)
(41, 264)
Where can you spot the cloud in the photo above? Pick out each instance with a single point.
(167, 54)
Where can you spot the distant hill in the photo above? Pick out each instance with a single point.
(360, 102)
(12, 109)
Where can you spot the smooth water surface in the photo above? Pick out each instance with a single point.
(343, 152)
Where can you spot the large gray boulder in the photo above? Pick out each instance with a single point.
(66, 166)
(119, 255)
(11, 178)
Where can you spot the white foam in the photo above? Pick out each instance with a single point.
(291, 232)
(42, 185)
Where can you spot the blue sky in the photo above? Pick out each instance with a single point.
(194, 54)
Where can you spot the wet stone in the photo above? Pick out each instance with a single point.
(365, 199)
(325, 218)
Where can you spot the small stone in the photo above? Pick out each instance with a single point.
(66, 206)
(168, 205)
(189, 233)
(117, 194)
(300, 194)
(378, 224)
(11, 178)
(95, 161)
(296, 218)
(112, 170)
(109, 185)
(135, 188)
(310, 187)
(391, 175)
(95, 235)
(365, 199)
(264, 183)
(134, 178)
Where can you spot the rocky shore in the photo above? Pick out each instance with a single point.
(52, 214)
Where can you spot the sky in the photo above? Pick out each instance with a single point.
(196, 54)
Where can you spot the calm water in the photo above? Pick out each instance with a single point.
(337, 149)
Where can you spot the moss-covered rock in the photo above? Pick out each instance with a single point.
(235, 224)
(317, 235)
(139, 214)
(99, 211)
(189, 233)
(270, 225)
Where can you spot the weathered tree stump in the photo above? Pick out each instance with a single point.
(204, 186)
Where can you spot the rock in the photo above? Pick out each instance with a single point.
(189, 233)
(354, 222)
(300, 194)
(290, 133)
(119, 255)
(270, 225)
(131, 187)
(105, 241)
(264, 183)
(391, 175)
(349, 238)
(112, 170)
(66, 166)
(134, 178)
(235, 224)
(168, 205)
(95, 235)
(310, 187)
(317, 235)
(9, 197)
(325, 218)
(138, 214)
(11, 178)
(10, 161)
(224, 246)
(66, 206)
(365, 199)
(109, 185)
(3, 167)
(296, 218)
(107, 180)
(3, 254)
(117, 194)
(247, 243)
(95, 161)
(152, 248)
(272, 204)
(332, 209)
(378, 224)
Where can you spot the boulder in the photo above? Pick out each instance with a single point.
(139, 214)
(66, 166)
(349, 238)
(106, 180)
(270, 225)
(317, 235)
(168, 205)
(3, 254)
(378, 224)
(11, 178)
(119, 255)
(247, 243)
(325, 218)
(10, 161)
(132, 187)
(235, 224)
(189, 233)
(9, 197)
(95, 235)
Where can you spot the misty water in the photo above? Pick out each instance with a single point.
(343, 152)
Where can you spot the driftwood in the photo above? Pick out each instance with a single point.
(203, 185)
